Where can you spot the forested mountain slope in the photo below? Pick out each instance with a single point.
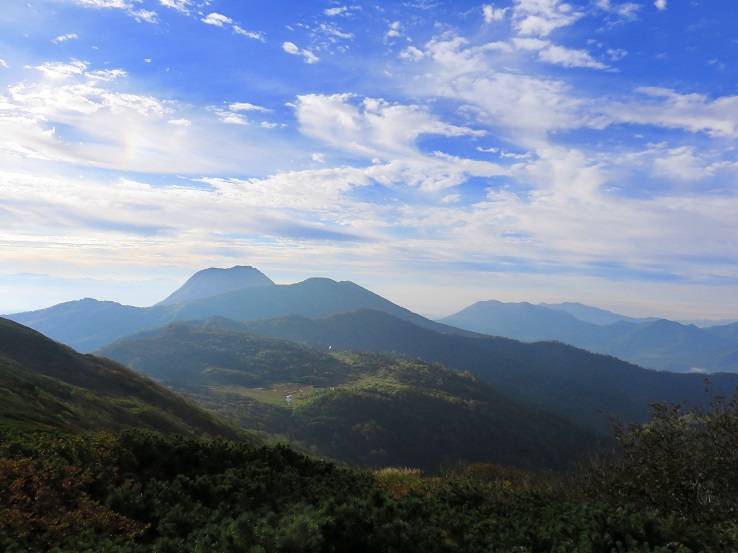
(362, 409)
(585, 387)
(44, 384)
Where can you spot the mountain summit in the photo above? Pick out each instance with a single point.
(213, 282)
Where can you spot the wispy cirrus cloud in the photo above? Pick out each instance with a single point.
(370, 127)
(669, 109)
(71, 113)
(223, 21)
(129, 7)
(179, 5)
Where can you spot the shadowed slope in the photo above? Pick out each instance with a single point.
(46, 383)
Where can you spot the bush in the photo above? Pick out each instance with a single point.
(683, 463)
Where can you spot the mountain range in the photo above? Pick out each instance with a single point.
(277, 359)
(652, 343)
(89, 324)
(244, 293)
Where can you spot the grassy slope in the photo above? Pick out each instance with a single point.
(46, 384)
(365, 409)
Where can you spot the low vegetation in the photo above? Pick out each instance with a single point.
(669, 487)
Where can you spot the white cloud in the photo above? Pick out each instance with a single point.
(616, 54)
(692, 112)
(491, 13)
(332, 12)
(61, 71)
(245, 106)
(567, 57)
(231, 118)
(83, 117)
(220, 20)
(660, 4)
(292, 48)
(411, 53)
(528, 106)
(250, 34)
(318, 158)
(681, 164)
(140, 15)
(179, 5)
(4, 64)
(627, 11)
(216, 19)
(542, 17)
(394, 30)
(145, 15)
(532, 44)
(375, 129)
(334, 34)
(118, 4)
(315, 189)
(106, 74)
(231, 115)
(63, 38)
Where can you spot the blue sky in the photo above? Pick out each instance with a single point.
(438, 153)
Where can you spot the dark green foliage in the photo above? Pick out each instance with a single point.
(142, 492)
(683, 462)
(189, 355)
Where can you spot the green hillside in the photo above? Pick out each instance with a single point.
(44, 384)
(362, 409)
(582, 386)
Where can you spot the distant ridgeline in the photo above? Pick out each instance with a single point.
(652, 343)
(246, 294)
